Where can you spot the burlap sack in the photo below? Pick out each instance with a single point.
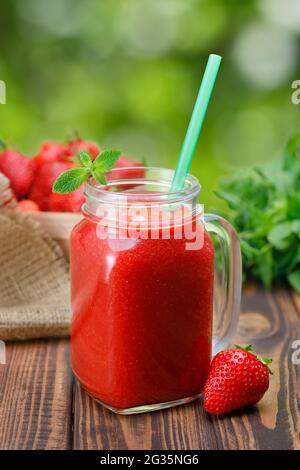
(34, 284)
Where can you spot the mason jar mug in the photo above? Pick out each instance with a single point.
(148, 310)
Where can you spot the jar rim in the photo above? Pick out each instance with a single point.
(164, 177)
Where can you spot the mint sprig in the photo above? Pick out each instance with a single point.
(264, 207)
(85, 160)
(72, 179)
(106, 160)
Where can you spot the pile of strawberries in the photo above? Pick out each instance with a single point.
(31, 179)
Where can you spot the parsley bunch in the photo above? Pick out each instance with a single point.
(264, 207)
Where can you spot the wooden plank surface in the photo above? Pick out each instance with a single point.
(35, 396)
(271, 322)
(42, 407)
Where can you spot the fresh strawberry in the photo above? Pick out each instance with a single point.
(26, 205)
(19, 170)
(78, 145)
(52, 152)
(44, 179)
(122, 163)
(237, 378)
(39, 198)
(70, 202)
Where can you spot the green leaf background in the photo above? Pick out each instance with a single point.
(264, 207)
(126, 74)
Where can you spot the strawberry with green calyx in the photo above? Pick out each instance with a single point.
(237, 378)
(50, 152)
(264, 360)
(72, 179)
(80, 145)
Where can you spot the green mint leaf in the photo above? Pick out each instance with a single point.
(99, 176)
(296, 227)
(264, 267)
(85, 160)
(106, 160)
(70, 180)
(293, 204)
(291, 155)
(280, 235)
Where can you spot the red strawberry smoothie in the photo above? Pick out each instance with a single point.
(142, 317)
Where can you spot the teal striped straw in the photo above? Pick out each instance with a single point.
(195, 125)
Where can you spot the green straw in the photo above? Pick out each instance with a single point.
(193, 132)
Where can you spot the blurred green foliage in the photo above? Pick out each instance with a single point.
(126, 73)
(264, 207)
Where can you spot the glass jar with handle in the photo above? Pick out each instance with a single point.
(144, 326)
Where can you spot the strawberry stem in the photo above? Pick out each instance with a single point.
(74, 135)
(244, 348)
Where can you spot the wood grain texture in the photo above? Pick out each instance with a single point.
(35, 396)
(42, 407)
(271, 322)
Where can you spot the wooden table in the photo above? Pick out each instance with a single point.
(42, 407)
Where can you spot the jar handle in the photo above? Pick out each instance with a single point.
(227, 300)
